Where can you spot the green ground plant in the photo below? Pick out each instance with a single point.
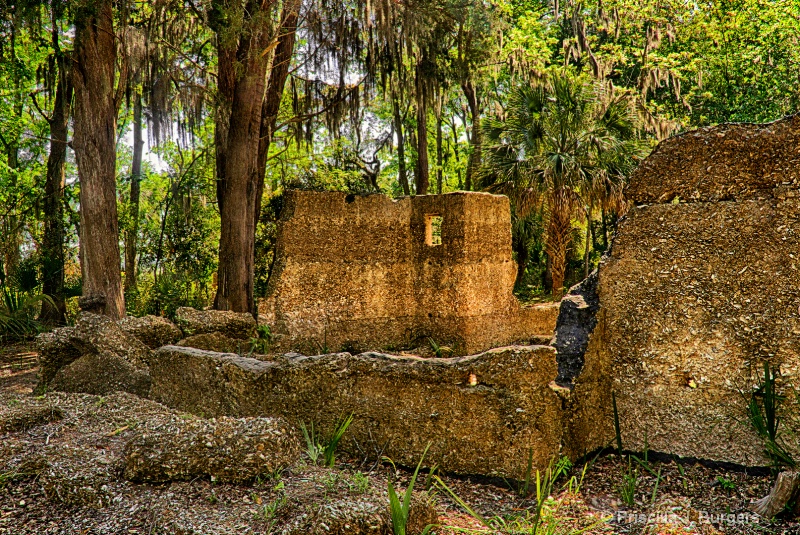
(319, 448)
(763, 411)
(401, 510)
(542, 519)
(629, 485)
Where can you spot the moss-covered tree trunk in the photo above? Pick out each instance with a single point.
(474, 162)
(402, 174)
(423, 170)
(54, 312)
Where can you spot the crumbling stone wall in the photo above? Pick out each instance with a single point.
(358, 272)
(700, 288)
(481, 414)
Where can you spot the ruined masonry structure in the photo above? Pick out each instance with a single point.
(370, 272)
(701, 288)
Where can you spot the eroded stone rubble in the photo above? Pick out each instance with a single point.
(86, 450)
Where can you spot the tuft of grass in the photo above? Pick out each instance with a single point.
(324, 448)
(629, 484)
(542, 520)
(655, 487)
(726, 483)
(329, 451)
(544, 486)
(359, 483)
(683, 477)
(762, 411)
(331, 480)
(400, 510)
(526, 482)
(313, 447)
(270, 510)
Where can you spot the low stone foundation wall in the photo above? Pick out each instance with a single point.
(482, 414)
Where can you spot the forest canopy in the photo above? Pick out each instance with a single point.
(145, 145)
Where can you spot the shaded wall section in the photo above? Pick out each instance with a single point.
(483, 414)
(370, 272)
(700, 289)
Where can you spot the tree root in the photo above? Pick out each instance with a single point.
(785, 489)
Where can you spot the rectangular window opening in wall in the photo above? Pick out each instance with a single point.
(433, 229)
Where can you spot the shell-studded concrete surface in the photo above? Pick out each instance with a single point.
(701, 288)
(357, 272)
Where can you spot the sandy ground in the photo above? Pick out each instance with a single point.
(667, 497)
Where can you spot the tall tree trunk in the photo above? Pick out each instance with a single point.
(54, 313)
(402, 175)
(274, 94)
(559, 227)
(96, 151)
(474, 161)
(11, 230)
(245, 68)
(439, 151)
(523, 255)
(133, 205)
(422, 171)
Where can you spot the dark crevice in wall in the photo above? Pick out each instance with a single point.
(577, 318)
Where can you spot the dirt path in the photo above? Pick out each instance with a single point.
(18, 368)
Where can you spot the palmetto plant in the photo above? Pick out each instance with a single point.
(19, 306)
(562, 147)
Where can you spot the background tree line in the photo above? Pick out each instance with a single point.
(145, 145)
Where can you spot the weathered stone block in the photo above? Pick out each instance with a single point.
(696, 296)
(727, 162)
(226, 450)
(100, 374)
(481, 414)
(231, 324)
(153, 331)
(356, 273)
(96, 356)
(215, 342)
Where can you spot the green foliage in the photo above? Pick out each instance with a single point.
(261, 342)
(657, 67)
(763, 412)
(629, 485)
(726, 484)
(313, 447)
(19, 306)
(437, 349)
(359, 483)
(561, 150)
(617, 430)
(400, 510)
(320, 448)
(269, 511)
(545, 483)
(543, 518)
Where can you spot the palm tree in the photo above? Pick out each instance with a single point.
(563, 147)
